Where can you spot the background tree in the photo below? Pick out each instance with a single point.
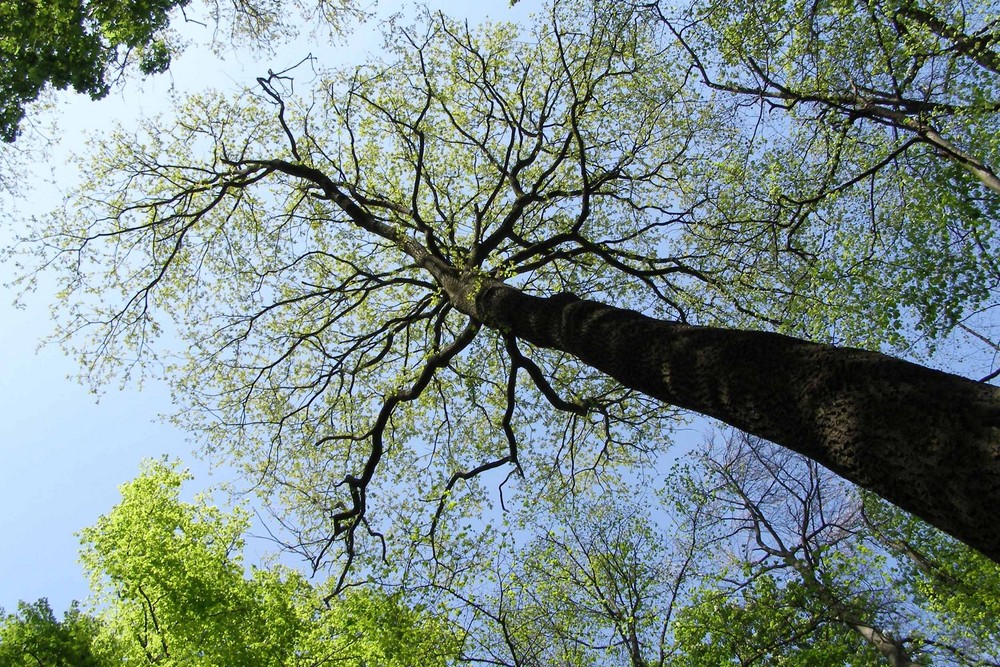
(33, 637)
(802, 542)
(957, 585)
(873, 140)
(746, 555)
(87, 44)
(171, 588)
(793, 547)
(597, 585)
(171, 573)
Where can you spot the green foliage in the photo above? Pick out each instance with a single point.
(33, 637)
(856, 192)
(87, 45)
(172, 588)
(75, 44)
(578, 156)
(956, 584)
(174, 571)
(766, 623)
(369, 627)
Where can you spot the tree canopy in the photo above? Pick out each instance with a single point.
(332, 258)
(746, 553)
(33, 636)
(87, 44)
(505, 257)
(875, 143)
(171, 588)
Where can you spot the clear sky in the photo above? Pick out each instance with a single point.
(63, 453)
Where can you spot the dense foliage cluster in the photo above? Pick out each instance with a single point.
(172, 589)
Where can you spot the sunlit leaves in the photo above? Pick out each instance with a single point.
(958, 586)
(174, 590)
(173, 573)
(766, 623)
(859, 168)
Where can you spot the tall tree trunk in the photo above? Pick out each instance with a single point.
(925, 440)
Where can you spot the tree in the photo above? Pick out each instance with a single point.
(924, 70)
(171, 573)
(172, 588)
(745, 553)
(874, 138)
(354, 271)
(793, 534)
(790, 537)
(86, 45)
(956, 584)
(597, 584)
(33, 637)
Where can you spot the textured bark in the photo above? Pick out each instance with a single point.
(925, 440)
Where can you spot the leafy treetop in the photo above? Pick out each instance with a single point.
(86, 44)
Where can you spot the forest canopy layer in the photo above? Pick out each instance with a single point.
(495, 269)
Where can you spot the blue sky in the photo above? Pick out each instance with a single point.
(63, 456)
(63, 452)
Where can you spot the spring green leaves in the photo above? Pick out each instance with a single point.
(34, 636)
(171, 588)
